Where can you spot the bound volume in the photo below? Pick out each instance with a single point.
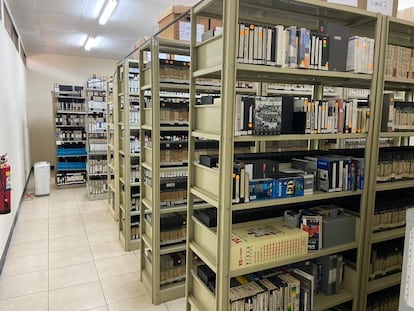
(267, 242)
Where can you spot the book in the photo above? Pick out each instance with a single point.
(253, 245)
(293, 289)
(267, 115)
(312, 224)
(307, 288)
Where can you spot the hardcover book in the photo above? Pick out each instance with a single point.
(253, 245)
(312, 224)
(267, 115)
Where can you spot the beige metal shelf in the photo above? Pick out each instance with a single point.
(388, 235)
(392, 185)
(216, 58)
(384, 282)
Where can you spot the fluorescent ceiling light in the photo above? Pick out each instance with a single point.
(90, 42)
(107, 11)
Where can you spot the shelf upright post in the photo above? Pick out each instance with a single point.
(191, 153)
(371, 160)
(226, 151)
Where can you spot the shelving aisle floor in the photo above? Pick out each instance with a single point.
(65, 256)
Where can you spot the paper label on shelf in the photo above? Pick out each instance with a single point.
(409, 281)
(380, 6)
(345, 2)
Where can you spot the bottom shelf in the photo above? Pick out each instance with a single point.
(95, 197)
(323, 302)
(384, 282)
(166, 293)
(129, 245)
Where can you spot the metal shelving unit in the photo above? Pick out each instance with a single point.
(216, 58)
(96, 133)
(163, 167)
(400, 33)
(127, 191)
(69, 111)
(111, 155)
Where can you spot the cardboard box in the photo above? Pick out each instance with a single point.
(181, 25)
(386, 7)
(338, 230)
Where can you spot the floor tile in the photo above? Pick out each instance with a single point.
(73, 220)
(176, 305)
(23, 284)
(27, 248)
(107, 250)
(122, 287)
(104, 236)
(26, 236)
(63, 212)
(72, 275)
(69, 257)
(34, 302)
(77, 297)
(25, 264)
(64, 231)
(68, 242)
(117, 265)
(135, 304)
(104, 308)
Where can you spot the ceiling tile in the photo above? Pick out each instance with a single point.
(25, 17)
(28, 4)
(72, 7)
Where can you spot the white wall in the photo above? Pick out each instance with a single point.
(13, 125)
(42, 72)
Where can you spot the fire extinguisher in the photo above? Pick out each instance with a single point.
(5, 185)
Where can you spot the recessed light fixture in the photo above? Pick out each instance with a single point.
(90, 42)
(107, 11)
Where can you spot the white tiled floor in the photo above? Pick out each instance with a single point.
(65, 256)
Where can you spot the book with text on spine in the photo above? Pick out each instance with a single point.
(265, 242)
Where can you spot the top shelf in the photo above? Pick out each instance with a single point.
(291, 12)
(211, 68)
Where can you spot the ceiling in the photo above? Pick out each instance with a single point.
(62, 26)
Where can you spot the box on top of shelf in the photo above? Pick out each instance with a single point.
(180, 30)
(386, 7)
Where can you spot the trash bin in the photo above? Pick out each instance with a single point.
(42, 178)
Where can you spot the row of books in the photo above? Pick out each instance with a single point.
(96, 124)
(386, 258)
(172, 228)
(70, 119)
(97, 145)
(174, 71)
(384, 300)
(172, 113)
(97, 187)
(390, 209)
(388, 219)
(329, 48)
(395, 165)
(71, 105)
(134, 175)
(97, 103)
(292, 288)
(68, 178)
(135, 231)
(97, 166)
(70, 135)
(172, 268)
(68, 90)
(399, 62)
(334, 172)
(260, 115)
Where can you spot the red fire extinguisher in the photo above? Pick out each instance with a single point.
(5, 185)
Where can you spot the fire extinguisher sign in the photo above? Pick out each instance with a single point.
(5, 186)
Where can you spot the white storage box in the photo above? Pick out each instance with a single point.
(42, 178)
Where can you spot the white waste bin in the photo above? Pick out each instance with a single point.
(42, 178)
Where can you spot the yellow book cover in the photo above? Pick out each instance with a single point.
(267, 242)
